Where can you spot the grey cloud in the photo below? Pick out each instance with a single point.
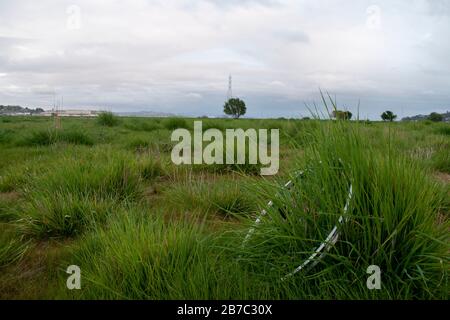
(234, 3)
(175, 56)
(293, 36)
(439, 7)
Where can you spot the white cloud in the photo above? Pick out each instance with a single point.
(194, 95)
(176, 55)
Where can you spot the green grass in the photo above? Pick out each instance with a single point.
(6, 136)
(175, 123)
(213, 195)
(441, 161)
(137, 258)
(79, 193)
(142, 125)
(103, 194)
(12, 247)
(107, 119)
(392, 223)
(151, 168)
(49, 137)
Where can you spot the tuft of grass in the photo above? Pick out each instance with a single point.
(225, 198)
(75, 137)
(443, 129)
(79, 194)
(49, 137)
(56, 215)
(12, 180)
(441, 160)
(107, 119)
(392, 223)
(40, 138)
(6, 136)
(12, 247)
(175, 123)
(8, 206)
(137, 258)
(151, 168)
(245, 168)
(139, 144)
(143, 125)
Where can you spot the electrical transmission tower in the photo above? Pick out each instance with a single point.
(230, 92)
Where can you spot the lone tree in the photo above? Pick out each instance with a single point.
(436, 117)
(388, 116)
(341, 115)
(234, 107)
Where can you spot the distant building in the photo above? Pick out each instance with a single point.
(71, 113)
(420, 117)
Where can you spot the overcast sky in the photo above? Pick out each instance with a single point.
(175, 56)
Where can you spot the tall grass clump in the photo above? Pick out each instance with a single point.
(392, 222)
(443, 129)
(9, 182)
(6, 136)
(141, 125)
(107, 119)
(161, 141)
(49, 137)
(175, 123)
(139, 258)
(12, 247)
(8, 206)
(246, 168)
(441, 160)
(139, 144)
(40, 138)
(75, 137)
(79, 193)
(226, 198)
(151, 168)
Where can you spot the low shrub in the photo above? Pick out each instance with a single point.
(107, 119)
(6, 136)
(151, 168)
(12, 247)
(79, 194)
(49, 137)
(175, 123)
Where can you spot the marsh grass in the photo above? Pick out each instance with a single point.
(12, 247)
(49, 137)
(78, 194)
(151, 168)
(175, 123)
(224, 197)
(6, 136)
(142, 125)
(443, 129)
(392, 223)
(186, 242)
(107, 119)
(441, 160)
(138, 258)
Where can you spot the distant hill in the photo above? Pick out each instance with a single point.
(17, 110)
(420, 117)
